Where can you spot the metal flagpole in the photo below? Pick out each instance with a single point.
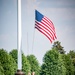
(19, 35)
(19, 39)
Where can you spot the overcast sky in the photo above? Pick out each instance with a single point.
(61, 12)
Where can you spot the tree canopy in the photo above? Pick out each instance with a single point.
(53, 64)
(7, 62)
(25, 63)
(34, 64)
(1, 70)
(72, 58)
(14, 54)
(57, 46)
(68, 64)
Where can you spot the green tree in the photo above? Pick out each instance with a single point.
(53, 64)
(7, 63)
(72, 53)
(25, 63)
(34, 64)
(72, 57)
(68, 64)
(14, 54)
(57, 46)
(1, 70)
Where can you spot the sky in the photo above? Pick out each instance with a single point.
(60, 12)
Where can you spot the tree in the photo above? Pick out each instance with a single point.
(72, 58)
(25, 63)
(7, 62)
(57, 46)
(1, 70)
(68, 64)
(72, 54)
(14, 54)
(53, 64)
(34, 64)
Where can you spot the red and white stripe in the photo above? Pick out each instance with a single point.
(47, 28)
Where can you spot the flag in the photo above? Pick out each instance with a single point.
(45, 26)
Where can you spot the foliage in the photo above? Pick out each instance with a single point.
(72, 57)
(53, 64)
(25, 64)
(1, 70)
(68, 64)
(58, 47)
(72, 53)
(34, 64)
(14, 54)
(7, 63)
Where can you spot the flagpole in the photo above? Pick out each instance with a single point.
(19, 39)
(19, 35)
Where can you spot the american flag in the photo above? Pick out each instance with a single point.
(45, 26)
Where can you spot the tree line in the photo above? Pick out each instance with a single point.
(55, 62)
